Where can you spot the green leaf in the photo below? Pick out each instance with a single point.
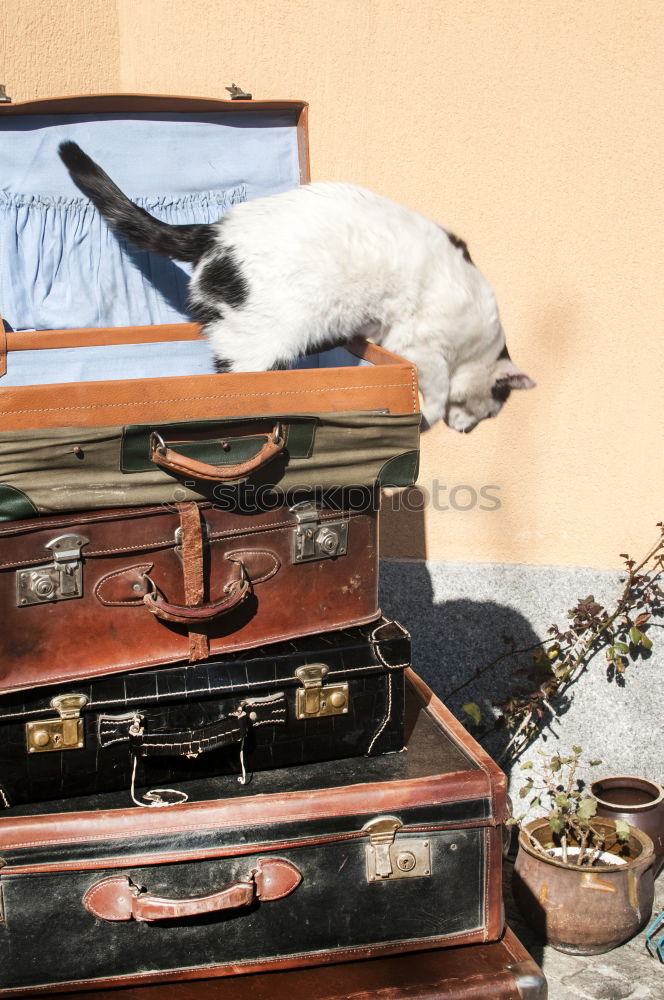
(527, 766)
(555, 764)
(646, 642)
(556, 822)
(635, 635)
(594, 763)
(622, 829)
(577, 750)
(473, 710)
(587, 808)
(622, 647)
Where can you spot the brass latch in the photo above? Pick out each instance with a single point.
(65, 733)
(313, 540)
(389, 858)
(60, 580)
(315, 700)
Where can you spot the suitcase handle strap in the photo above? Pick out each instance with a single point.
(174, 461)
(233, 594)
(230, 730)
(118, 898)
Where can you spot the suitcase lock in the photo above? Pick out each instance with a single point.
(57, 581)
(65, 733)
(388, 858)
(313, 540)
(316, 700)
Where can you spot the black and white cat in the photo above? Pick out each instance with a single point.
(292, 273)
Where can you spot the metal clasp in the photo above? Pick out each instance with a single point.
(60, 580)
(388, 858)
(314, 700)
(313, 540)
(65, 733)
(237, 93)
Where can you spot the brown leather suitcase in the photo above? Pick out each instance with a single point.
(307, 866)
(501, 970)
(113, 591)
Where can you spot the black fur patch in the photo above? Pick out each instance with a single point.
(456, 241)
(222, 367)
(504, 355)
(501, 390)
(203, 313)
(221, 280)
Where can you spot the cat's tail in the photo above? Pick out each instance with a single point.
(188, 242)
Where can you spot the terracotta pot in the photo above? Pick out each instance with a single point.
(584, 911)
(637, 801)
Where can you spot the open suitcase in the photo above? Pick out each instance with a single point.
(305, 866)
(322, 697)
(107, 396)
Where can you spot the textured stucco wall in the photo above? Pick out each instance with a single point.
(533, 130)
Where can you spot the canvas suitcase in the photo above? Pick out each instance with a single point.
(499, 970)
(323, 697)
(64, 469)
(309, 865)
(106, 592)
(95, 336)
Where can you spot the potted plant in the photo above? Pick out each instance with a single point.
(584, 883)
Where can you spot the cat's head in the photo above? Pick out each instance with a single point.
(478, 391)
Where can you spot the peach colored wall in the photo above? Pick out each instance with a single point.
(533, 130)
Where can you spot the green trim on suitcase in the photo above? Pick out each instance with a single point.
(401, 470)
(15, 505)
(135, 446)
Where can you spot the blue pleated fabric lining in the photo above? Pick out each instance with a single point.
(62, 268)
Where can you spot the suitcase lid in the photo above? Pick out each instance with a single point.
(185, 159)
(444, 780)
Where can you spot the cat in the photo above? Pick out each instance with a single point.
(293, 273)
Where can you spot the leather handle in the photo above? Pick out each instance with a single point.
(189, 742)
(228, 731)
(233, 594)
(174, 461)
(117, 898)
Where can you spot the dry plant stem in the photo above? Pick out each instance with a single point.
(578, 666)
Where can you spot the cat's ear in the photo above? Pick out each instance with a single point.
(506, 373)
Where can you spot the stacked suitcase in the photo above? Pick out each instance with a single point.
(215, 757)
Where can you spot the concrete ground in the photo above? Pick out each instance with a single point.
(626, 973)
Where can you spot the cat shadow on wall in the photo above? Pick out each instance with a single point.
(453, 638)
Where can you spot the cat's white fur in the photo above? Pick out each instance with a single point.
(285, 275)
(330, 259)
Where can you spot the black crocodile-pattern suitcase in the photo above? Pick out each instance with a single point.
(321, 697)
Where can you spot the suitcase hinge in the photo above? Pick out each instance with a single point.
(316, 700)
(65, 733)
(388, 858)
(60, 580)
(313, 540)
